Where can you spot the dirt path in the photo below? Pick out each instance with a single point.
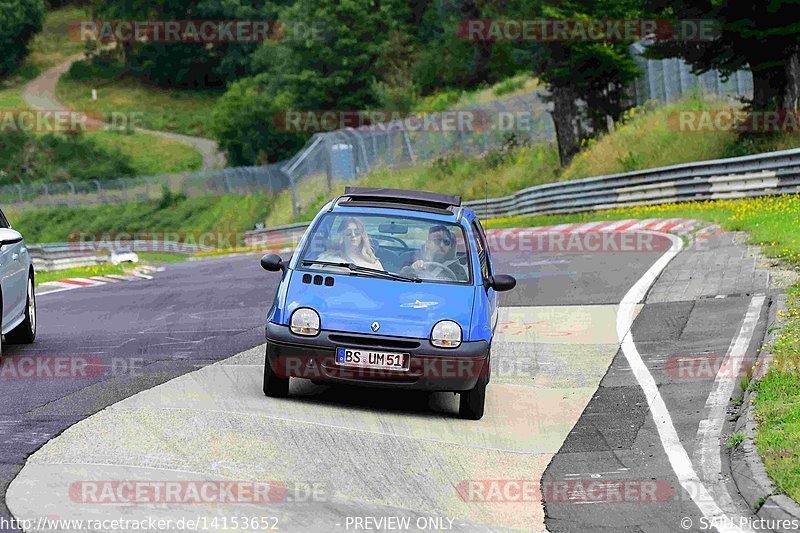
(40, 93)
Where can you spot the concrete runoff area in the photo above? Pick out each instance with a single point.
(399, 452)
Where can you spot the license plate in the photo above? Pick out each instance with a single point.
(363, 358)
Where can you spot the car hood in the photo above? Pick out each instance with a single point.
(402, 309)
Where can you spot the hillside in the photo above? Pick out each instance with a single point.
(646, 138)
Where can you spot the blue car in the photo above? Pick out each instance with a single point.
(387, 288)
(17, 298)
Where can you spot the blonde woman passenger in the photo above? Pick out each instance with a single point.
(351, 245)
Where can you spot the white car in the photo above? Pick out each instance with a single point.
(123, 257)
(17, 296)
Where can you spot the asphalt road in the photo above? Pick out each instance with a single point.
(133, 335)
(580, 416)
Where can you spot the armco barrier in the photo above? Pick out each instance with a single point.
(757, 175)
(60, 256)
(63, 255)
(738, 177)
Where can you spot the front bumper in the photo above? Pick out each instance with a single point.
(430, 368)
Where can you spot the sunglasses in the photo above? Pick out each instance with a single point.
(353, 232)
(440, 241)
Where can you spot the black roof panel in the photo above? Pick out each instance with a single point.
(383, 195)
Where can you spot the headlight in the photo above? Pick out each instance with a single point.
(305, 321)
(446, 334)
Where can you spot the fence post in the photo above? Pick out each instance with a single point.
(19, 191)
(294, 198)
(99, 190)
(124, 189)
(326, 143)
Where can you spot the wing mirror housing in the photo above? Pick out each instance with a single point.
(273, 263)
(9, 236)
(502, 282)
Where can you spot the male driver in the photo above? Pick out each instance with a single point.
(440, 247)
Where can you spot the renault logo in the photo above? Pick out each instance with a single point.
(375, 326)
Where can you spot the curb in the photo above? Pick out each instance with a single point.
(138, 273)
(747, 468)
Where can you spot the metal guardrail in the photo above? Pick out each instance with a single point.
(63, 255)
(60, 256)
(765, 174)
(739, 177)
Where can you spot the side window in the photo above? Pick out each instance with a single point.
(4, 221)
(482, 250)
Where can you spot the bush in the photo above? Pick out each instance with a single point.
(20, 20)
(244, 123)
(27, 158)
(100, 68)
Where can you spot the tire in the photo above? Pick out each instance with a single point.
(472, 402)
(25, 333)
(274, 386)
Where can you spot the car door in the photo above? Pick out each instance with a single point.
(13, 277)
(485, 259)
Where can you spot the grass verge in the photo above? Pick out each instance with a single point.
(226, 214)
(178, 111)
(78, 272)
(150, 155)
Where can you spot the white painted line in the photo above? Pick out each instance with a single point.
(709, 433)
(676, 453)
(665, 222)
(617, 224)
(118, 277)
(559, 227)
(685, 227)
(57, 290)
(587, 226)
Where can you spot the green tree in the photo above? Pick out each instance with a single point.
(587, 79)
(187, 64)
(246, 119)
(326, 59)
(760, 35)
(447, 59)
(20, 20)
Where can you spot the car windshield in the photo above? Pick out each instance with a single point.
(380, 245)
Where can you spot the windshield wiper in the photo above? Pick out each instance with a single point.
(355, 268)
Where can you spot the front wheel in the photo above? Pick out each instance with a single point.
(274, 386)
(25, 333)
(471, 402)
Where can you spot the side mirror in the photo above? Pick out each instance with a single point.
(502, 282)
(272, 262)
(9, 236)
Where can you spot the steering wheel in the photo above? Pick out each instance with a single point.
(439, 270)
(390, 238)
